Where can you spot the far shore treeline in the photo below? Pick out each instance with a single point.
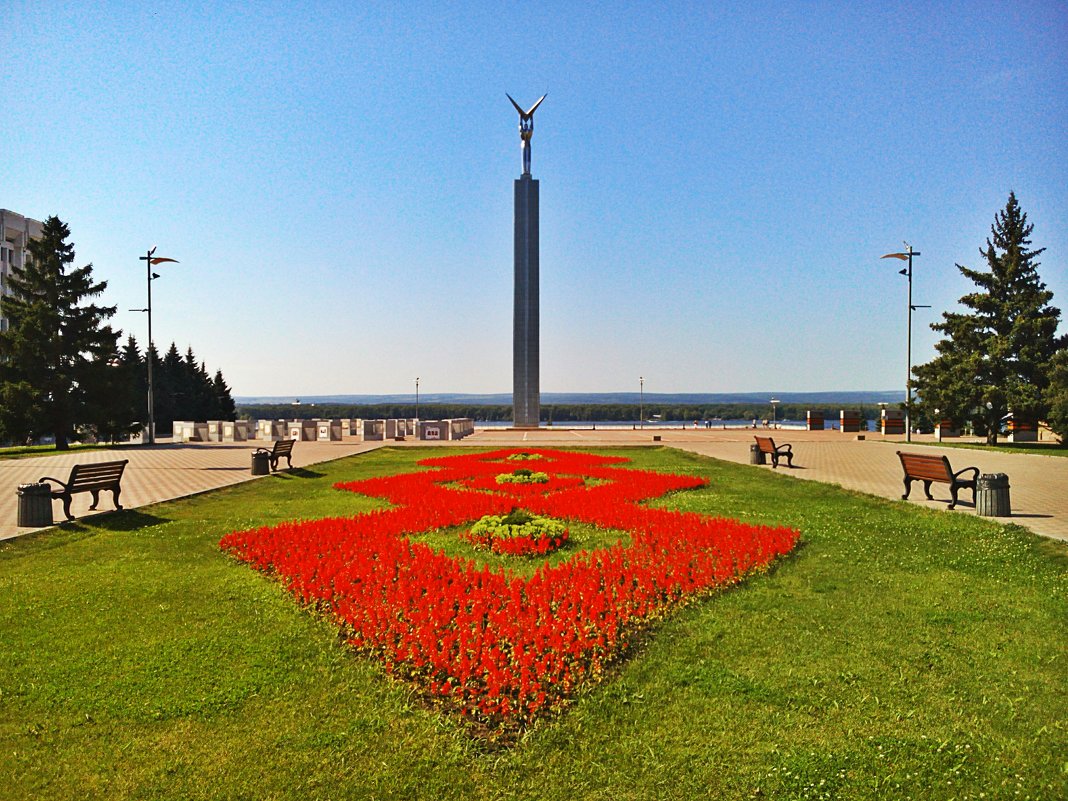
(555, 413)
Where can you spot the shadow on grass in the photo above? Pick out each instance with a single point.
(298, 472)
(126, 520)
(65, 532)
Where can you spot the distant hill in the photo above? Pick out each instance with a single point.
(594, 398)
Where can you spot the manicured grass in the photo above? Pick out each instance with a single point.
(897, 653)
(28, 451)
(1030, 448)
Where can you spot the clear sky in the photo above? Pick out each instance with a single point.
(718, 181)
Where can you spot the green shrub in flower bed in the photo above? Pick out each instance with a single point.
(523, 476)
(518, 533)
(897, 653)
(524, 457)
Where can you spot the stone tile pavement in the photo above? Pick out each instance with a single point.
(157, 473)
(1038, 484)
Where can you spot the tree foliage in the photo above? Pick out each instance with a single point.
(183, 390)
(996, 356)
(62, 372)
(1057, 395)
(55, 355)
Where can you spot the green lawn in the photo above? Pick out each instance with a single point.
(29, 451)
(1030, 448)
(897, 653)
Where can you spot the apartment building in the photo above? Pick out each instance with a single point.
(15, 233)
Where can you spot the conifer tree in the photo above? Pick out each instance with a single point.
(170, 391)
(1057, 396)
(115, 409)
(56, 344)
(997, 357)
(225, 403)
(137, 371)
(195, 390)
(124, 407)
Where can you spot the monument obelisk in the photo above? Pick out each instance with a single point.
(526, 393)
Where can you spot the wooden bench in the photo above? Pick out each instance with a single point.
(282, 447)
(921, 467)
(90, 478)
(767, 446)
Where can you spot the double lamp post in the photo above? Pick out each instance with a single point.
(151, 261)
(907, 272)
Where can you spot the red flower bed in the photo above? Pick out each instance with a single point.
(499, 647)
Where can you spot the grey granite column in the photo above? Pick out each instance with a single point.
(526, 393)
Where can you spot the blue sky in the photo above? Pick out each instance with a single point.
(718, 181)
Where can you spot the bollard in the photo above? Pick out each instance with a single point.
(992, 495)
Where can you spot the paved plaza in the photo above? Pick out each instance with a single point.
(1039, 484)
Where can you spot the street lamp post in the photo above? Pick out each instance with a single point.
(774, 406)
(417, 399)
(907, 256)
(150, 262)
(641, 402)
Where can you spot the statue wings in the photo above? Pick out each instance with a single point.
(526, 114)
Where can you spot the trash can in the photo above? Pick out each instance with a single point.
(756, 456)
(261, 463)
(35, 505)
(992, 495)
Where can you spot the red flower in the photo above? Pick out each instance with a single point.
(503, 648)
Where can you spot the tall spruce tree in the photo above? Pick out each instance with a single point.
(1057, 396)
(223, 399)
(122, 408)
(201, 396)
(137, 371)
(997, 357)
(170, 392)
(57, 342)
